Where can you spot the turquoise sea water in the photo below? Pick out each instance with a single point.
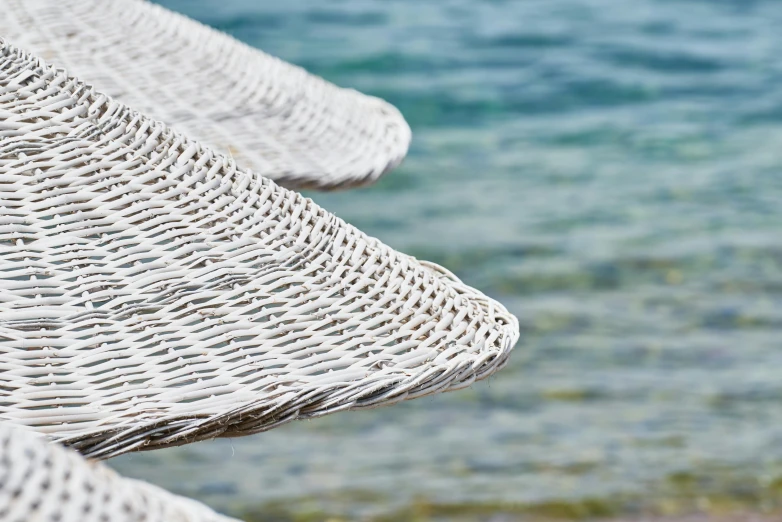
(612, 171)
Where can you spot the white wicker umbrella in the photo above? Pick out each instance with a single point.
(271, 116)
(40, 481)
(152, 293)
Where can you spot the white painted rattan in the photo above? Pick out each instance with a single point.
(152, 293)
(41, 481)
(271, 116)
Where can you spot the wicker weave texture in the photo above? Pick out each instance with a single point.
(44, 482)
(271, 116)
(152, 293)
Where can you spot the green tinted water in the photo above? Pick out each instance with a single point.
(610, 170)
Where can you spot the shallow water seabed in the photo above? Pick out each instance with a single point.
(611, 172)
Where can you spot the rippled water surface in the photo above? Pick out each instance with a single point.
(611, 171)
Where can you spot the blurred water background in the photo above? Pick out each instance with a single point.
(608, 169)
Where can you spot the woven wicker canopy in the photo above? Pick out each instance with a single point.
(40, 481)
(152, 293)
(271, 116)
